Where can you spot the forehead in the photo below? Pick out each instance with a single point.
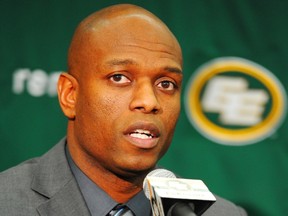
(134, 36)
(138, 55)
(124, 38)
(130, 62)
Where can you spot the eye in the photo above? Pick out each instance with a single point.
(167, 85)
(119, 78)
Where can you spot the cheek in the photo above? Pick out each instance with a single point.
(112, 106)
(171, 113)
(94, 122)
(102, 108)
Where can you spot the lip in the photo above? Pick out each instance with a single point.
(144, 143)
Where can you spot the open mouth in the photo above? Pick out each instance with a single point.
(141, 134)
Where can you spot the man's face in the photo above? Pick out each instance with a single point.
(128, 96)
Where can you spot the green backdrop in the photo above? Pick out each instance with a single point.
(34, 37)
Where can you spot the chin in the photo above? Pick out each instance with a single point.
(137, 170)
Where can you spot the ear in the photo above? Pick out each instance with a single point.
(67, 92)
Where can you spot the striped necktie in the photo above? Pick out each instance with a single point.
(121, 210)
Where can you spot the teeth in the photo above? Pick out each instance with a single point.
(142, 134)
(142, 131)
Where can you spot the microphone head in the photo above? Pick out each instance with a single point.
(156, 173)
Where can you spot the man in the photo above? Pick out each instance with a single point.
(121, 96)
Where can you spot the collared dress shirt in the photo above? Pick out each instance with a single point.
(98, 201)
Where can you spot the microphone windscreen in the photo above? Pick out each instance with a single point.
(156, 173)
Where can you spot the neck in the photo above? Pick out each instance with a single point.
(120, 187)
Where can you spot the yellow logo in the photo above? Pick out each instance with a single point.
(234, 101)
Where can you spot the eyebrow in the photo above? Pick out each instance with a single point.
(116, 62)
(173, 69)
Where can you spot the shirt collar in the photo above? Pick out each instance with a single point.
(98, 201)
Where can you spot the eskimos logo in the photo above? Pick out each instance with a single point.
(234, 101)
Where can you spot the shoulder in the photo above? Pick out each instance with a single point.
(19, 185)
(224, 207)
(18, 175)
(15, 188)
(21, 176)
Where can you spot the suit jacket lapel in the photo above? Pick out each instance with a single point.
(54, 180)
(67, 201)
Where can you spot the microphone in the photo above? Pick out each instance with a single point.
(171, 196)
(182, 208)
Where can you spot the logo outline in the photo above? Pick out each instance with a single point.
(242, 136)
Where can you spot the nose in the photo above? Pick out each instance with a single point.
(144, 98)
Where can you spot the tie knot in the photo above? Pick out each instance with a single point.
(121, 210)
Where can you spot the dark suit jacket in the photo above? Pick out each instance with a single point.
(46, 186)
